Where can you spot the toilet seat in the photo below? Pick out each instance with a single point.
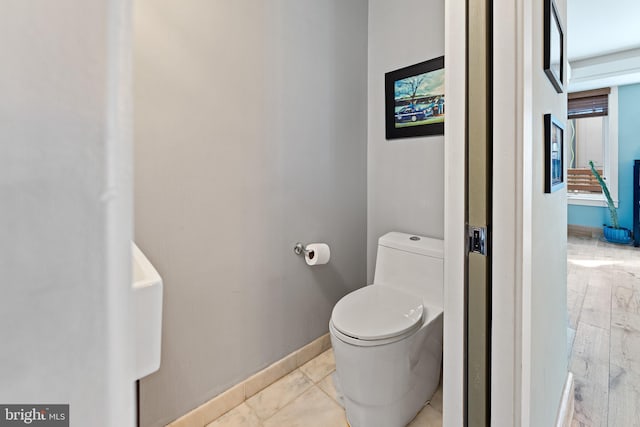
(377, 313)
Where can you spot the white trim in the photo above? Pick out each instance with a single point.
(454, 206)
(524, 173)
(565, 412)
(611, 154)
(616, 69)
(583, 199)
(506, 201)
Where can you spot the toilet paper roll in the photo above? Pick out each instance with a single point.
(317, 254)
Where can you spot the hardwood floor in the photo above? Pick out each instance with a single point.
(603, 300)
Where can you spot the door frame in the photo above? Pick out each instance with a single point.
(454, 207)
(510, 333)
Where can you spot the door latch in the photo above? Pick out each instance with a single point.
(477, 240)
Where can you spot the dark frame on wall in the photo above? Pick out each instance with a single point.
(553, 46)
(553, 154)
(414, 100)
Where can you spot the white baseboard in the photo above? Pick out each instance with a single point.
(565, 412)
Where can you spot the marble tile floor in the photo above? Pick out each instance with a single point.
(603, 301)
(306, 398)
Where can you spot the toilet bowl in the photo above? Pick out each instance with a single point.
(387, 337)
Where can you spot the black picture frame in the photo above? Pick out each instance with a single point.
(553, 154)
(414, 100)
(553, 46)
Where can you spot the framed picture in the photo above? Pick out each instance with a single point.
(553, 45)
(414, 100)
(553, 154)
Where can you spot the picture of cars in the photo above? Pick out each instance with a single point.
(411, 114)
(414, 100)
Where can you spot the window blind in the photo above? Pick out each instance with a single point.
(589, 103)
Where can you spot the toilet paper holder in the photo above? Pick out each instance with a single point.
(313, 253)
(300, 249)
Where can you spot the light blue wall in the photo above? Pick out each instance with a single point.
(588, 216)
(628, 150)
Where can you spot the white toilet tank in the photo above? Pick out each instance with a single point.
(414, 264)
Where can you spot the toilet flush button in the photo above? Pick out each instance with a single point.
(414, 238)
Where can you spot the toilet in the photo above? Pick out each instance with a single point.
(387, 337)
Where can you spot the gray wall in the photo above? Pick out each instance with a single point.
(250, 135)
(405, 176)
(65, 208)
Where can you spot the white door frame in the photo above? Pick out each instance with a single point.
(454, 207)
(511, 216)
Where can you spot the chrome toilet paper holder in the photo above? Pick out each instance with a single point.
(313, 253)
(300, 249)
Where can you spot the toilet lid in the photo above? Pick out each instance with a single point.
(377, 312)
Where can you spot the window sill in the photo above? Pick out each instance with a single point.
(597, 200)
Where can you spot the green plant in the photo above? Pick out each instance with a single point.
(612, 208)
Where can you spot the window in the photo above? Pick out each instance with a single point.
(586, 138)
(592, 133)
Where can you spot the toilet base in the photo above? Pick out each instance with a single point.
(387, 385)
(398, 414)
